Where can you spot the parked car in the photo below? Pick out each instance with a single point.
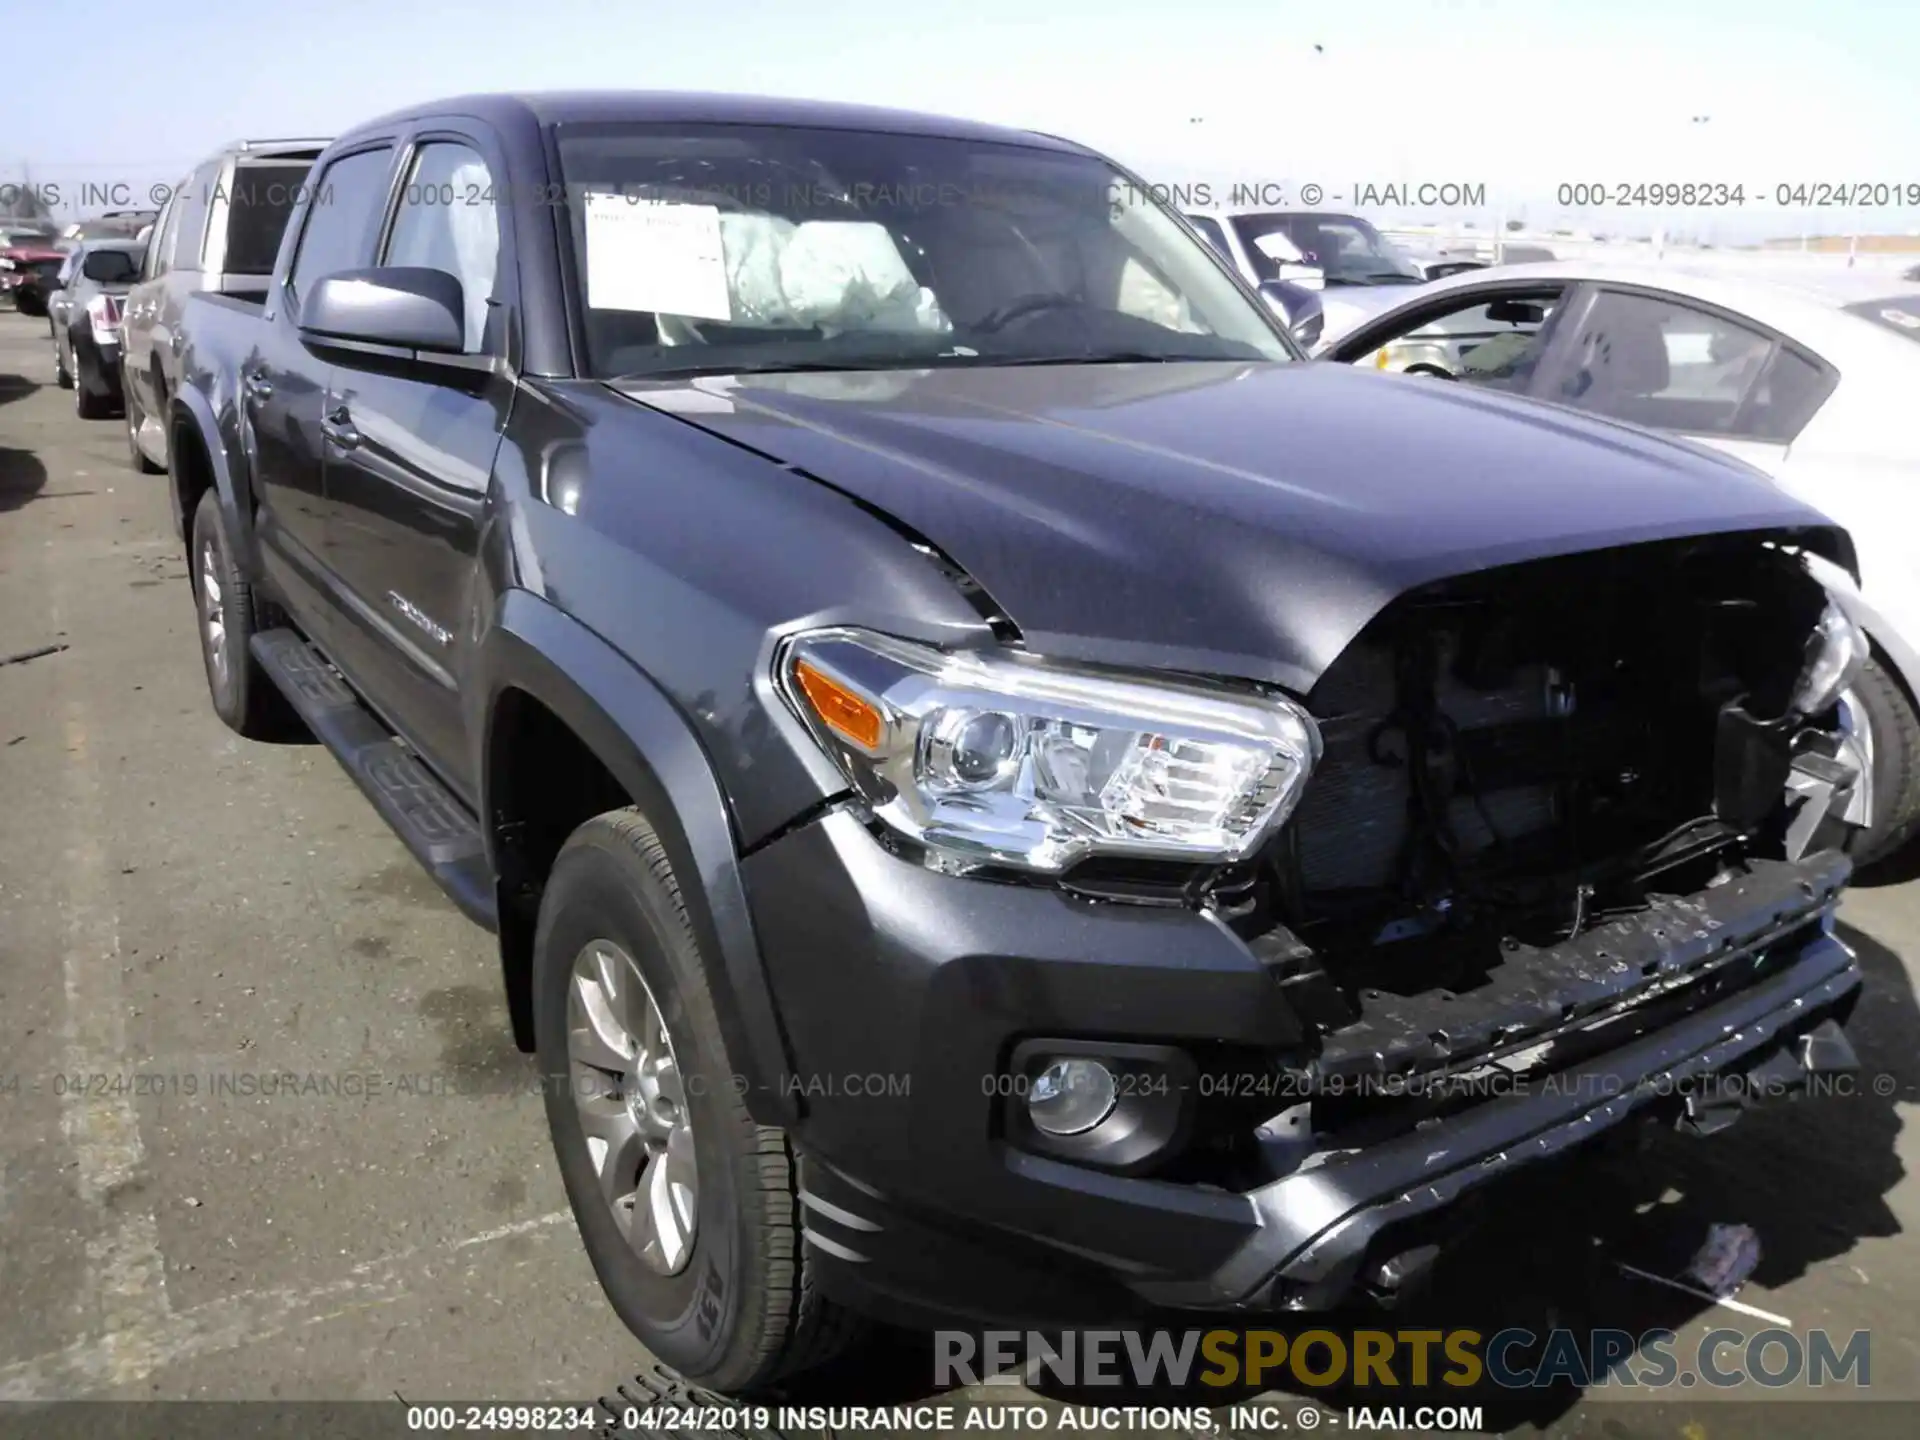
(16, 231)
(218, 232)
(1807, 378)
(109, 225)
(1301, 307)
(26, 270)
(84, 315)
(1273, 265)
(949, 717)
(1261, 255)
(1438, 264)
(1344, 249)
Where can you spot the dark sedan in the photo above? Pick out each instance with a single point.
(84, 315)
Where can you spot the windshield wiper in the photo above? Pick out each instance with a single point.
(771, 367)
(946, 360)
(1102, 357)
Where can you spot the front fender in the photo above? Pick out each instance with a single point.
(642, 739)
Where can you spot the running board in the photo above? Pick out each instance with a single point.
(441, 832)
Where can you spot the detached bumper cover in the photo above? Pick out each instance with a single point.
(1543, 991)
(1318, 1228)
(914, 1203)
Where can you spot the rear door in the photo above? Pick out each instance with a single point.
(411, 452)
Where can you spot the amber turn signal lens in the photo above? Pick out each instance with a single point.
(839, 708)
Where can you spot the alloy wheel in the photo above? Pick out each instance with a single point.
(213, 613)
(631, 1097)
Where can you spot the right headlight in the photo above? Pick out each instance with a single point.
(1836, 651)
(996, 759)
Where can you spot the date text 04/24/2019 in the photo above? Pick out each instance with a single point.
(1734, 195)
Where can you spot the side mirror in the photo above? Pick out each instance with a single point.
(403, 306)
(110, 267)
(1298, 308)
(1278, 247)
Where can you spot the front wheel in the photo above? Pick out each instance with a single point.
(1895, 735)
(88, 404)
(687, 1207)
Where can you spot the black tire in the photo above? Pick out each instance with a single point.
(1896, 765)
(242, 694)
(62, 376)
(86, 403)
(742, 1312)
(136, 457)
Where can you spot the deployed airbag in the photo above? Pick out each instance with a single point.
(848, 275)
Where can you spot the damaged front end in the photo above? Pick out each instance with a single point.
(1572, 851)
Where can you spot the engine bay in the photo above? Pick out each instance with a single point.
(1516, 757)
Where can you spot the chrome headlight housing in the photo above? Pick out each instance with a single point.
(1836, 651)
(998, 759)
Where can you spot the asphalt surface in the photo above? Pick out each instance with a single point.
(263, 1134)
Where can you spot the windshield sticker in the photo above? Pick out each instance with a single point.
(1896, 312)
(655, 256)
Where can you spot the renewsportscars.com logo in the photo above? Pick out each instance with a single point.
(1317, 1359)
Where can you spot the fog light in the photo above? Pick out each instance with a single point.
(1070, 1097)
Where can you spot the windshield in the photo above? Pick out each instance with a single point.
(1346, 247)
(726, 248)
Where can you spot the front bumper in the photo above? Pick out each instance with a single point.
(902, 993)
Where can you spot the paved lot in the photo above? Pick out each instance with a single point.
(206, 915)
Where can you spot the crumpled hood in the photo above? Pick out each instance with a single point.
(1222, 517)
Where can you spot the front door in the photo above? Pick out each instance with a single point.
(284, 383)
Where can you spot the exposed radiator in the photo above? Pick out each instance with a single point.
(1354, 819)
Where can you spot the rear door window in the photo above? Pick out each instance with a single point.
(345, 208)
(1791, 389)
(1656, 361)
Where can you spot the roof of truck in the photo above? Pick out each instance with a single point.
(565, 107)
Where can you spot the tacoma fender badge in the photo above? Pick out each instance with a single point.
(420, 619)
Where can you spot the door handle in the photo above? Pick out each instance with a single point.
(338, 427)
(258, 387)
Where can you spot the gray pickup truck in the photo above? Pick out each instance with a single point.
(219, 231)
(1002, 790)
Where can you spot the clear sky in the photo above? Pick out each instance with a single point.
(1520, 97)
